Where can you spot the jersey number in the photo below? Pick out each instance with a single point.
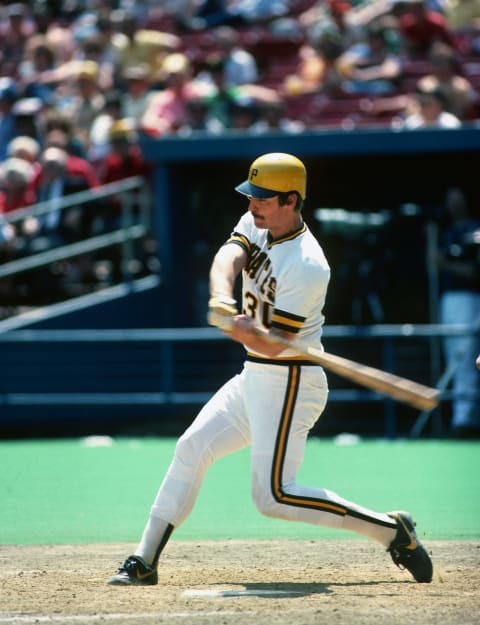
(252, 306)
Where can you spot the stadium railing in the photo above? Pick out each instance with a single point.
(135, 223)
(168, 367)
(125, 235)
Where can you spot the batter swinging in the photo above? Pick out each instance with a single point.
(276, 399)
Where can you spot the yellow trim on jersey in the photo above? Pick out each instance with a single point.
(286, 321)
(280, 449)
(285, 360)
(287, 237)
(239, 239)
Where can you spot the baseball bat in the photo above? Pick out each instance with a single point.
(399, 388)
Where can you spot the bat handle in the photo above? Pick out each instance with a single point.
(221, 321)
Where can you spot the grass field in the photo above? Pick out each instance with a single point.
(100, 490)
(72, 510)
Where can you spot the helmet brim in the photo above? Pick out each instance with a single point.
(247, 188)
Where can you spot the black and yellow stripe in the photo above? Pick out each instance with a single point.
(281, 443)
(239, 239)
(279, 360)
(278, 493)
(283, 320)
(286, 237)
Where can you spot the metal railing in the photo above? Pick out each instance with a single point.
(130, 191)
(169, 393)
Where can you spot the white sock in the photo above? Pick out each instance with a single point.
(151, 538)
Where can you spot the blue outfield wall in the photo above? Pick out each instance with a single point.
(365, 141)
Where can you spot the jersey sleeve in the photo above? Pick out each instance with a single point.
(300, 296)
(241, 234)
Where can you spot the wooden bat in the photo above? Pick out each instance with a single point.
(402, 389)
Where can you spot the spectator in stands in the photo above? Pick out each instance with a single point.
(239, 65)
(8, 96)
(196, 15)
(272, 117)
(58, 227)
(420, 27)
(168, 107)
(14, 180)
(429, 111)
(8, 247)
(446, 75)
(238, 13)
(43, 14)
(332, 16)
(137, 93)
(317, 69)
(370, 67)
(84, 101)
(461, 13)
(28, 114)
(99, 142)
(15, 32)
(220, 97)
(124, 160)
(244, 114)
(94, 48)
(26, 148)
(54, 120)
(134, 45)
(459, 95)
(38, 70)
(125, 157)
(340, 11)
(15, 184)
(458, 260)
(77, 166)
(16, 175)
(57, 178)
(61, 38)
(197, 118)
(7, 252)
(226, 102)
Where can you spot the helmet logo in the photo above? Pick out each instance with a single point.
(253, 173)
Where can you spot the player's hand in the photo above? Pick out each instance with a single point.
(243, 329)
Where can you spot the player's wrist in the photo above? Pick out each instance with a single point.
(222, 298)
(220, 309)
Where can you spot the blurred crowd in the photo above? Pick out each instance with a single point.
(80, 79)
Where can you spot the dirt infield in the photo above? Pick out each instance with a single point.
(240, 582)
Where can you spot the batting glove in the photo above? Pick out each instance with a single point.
(221, 306)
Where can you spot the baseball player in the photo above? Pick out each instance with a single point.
(272, 404)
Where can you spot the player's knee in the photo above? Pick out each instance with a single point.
(265, 502)
(191, 449)
(266, 506)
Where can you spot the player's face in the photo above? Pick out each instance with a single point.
(268, 214)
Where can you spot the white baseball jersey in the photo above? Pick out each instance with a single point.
(273, 403)
(285, 281)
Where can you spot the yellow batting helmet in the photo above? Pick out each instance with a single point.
(274, 173)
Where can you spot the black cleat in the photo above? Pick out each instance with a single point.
(407, 551)
(134, 572)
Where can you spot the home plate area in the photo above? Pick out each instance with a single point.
(234, 582)
(239, 592)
